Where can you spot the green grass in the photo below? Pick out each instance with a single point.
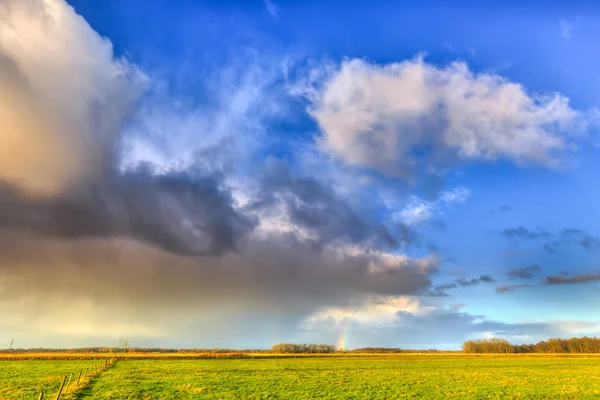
(25, 379)
(372, 377)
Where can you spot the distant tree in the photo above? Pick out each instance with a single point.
(124, 344)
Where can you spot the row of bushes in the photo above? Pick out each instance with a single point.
(498, 345)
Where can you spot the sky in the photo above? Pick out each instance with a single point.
(236, 174)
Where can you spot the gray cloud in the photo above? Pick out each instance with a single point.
(554, 240)
(312, 205)
(178, 211)
(576, 237)
(524, 272)
(564, 280)
(524, 233)
(440, 290)
(111, 288)
(510, 288)
(475, 281)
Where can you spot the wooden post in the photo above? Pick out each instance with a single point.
(61, 388)
(41, 395)
(68, 383)
(79, 377)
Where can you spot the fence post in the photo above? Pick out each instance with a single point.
(68, 383)
(41, 395)
(61, 388)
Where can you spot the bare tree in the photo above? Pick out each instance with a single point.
(124, 344)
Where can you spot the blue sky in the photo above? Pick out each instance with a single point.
(378, 173)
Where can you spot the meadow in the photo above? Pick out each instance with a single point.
(399, 376)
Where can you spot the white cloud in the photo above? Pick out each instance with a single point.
(418, 210)
(374, 310)
(568, 26)
(412, 117)
(272, 8)
(172, 130)
(63, 99)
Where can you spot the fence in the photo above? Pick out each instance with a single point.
(84, 377)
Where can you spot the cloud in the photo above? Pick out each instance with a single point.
(563, 280)
(222, 130)
(159, 228)
(503, 208)
(418, 210)
(554, 240)
(417, 325)
(272, 9)
(524, 233)
(413, 119)
(475, 281)
(568, 26)
(524, 272)
(440, 290)
(179, 212)
(314, 207)
(61, 104)
(125, 287)
(573, 236)
(509, 288)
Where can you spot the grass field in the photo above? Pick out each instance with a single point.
(25, 379)
(367, 377)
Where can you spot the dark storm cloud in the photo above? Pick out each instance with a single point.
(524, 272)
(564, 280)
(180, 212)
(315, 206)
(120, 287)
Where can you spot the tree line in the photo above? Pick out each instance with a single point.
(303, 348)
(380, 350)
(499, 345)
(126, 350)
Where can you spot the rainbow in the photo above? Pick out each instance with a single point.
(344, 335)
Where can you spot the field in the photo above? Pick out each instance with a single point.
(403, 376)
